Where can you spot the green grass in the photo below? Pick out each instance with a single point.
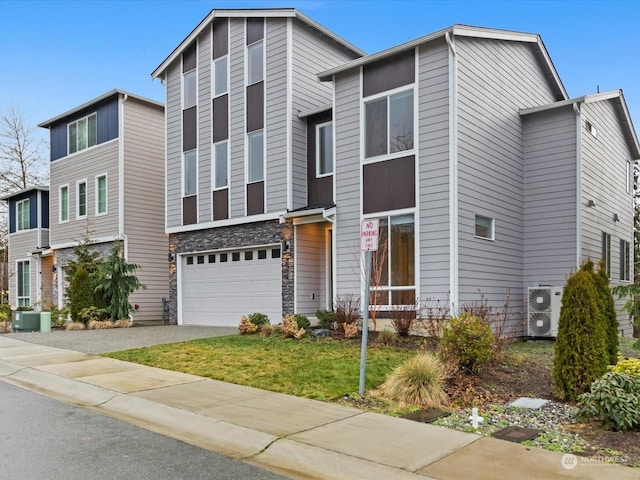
(321, 370)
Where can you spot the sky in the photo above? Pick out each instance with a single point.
(56, 55)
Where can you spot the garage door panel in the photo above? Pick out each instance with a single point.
(219, 293)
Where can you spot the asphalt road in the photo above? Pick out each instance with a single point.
(43, 439)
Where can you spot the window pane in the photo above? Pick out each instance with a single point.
(255, 63)
(92, 130)
(220, 67)
(325, 149)
(606, 252)
(82, 199)
(73, 137)
(402, 250)
(64, 204)
(190, 173)
(403, 297)
(376, 128)
(102, 194)
(23, 215)
(82, 134)
(484, 227)
(380, 258)
(220, 165)
(401, 122)
(189, 89)
(256, 156)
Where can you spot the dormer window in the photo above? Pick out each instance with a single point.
(83, 133)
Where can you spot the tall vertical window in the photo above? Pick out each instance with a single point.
(220, 167)
(24, 283)
(255, 170)
(324, 149)
(101, 194)
(83, 133)
(64, 203)
(389, 124)
(255, 63)
(23, 215)
(220, 76)
(189, 89)
(81, 199)
(625, 256)
(606, 252)
(190, 173)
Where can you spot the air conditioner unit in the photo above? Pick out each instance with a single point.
(544, 311)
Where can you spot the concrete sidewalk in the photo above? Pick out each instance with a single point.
(293, 436)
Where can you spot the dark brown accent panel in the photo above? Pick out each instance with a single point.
(221, 204)
(389, 185)
(220, 37)
(255, 198)
(255, 107)
(190, 210)
(189, 58)
(220, 118)
(389, 73)
(189, 129)
(255, 30)
(319, 190)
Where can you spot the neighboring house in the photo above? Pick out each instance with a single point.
(486, 177)
(106, 185)
(30, 273)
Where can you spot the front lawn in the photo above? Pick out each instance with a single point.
(322, 370)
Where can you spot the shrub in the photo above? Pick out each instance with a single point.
(580, 353)
(468, 342)
(350, 330)
(92, 314)
(121, 323)
(76, 326)
(246, 326)
(404, 315)
(259, 319)
(434, 318)
(302, 321)
(326, 319)
(608, 310)
(289, 328)
(347, 310)
(99, 324)
(418, 381)
(629, 366)
(387, 337)
(81, 294)
(614, 399)
(267, 331)
(5, 327)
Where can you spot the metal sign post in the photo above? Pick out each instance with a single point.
(368, 243)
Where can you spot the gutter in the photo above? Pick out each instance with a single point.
(453, 176)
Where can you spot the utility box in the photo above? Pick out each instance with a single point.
(26, 322)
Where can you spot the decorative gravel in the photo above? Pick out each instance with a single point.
(549, 419)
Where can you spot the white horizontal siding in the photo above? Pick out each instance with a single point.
(236, 117)
(205, 212)
(174, 145)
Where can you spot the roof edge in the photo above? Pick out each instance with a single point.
(42, 188)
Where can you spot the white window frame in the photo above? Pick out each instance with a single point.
(75, 122)
(106, 194)
(591, 128)
(23, 300)
(373, 98)
(214, 170)
(184, 173)
(194, 73)
(319, 127)
(625, 259)
(492, 227)
(61, 204)
(20, 223)
(86, 199)
(249, 158)
(214, 67)
(606, 252)
(249, 71)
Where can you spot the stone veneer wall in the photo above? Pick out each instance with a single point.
(236, 236)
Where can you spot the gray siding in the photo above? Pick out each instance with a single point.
(174, 145)
(20, 247)
(276, 114)
(205, 212)
(603, 181)
(85, 165)
(495, 80)
(550, 197)
(347, 173)
(143, 134)
(311, 268)
(236, 117)
(433, 165)
(312, 53)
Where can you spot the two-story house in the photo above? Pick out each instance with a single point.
(106, 185)
(485, 175)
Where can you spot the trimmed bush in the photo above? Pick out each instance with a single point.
(302, 321)
(259, 319)
(468, 342)
(614, 399)
(608, 310)
(418, 381)
(81, 294)
(630, 366)
(326, 319)
(289, 328)
(580, 349)
(350, 330)
(246, 326)
(387, 337)
(76, 326)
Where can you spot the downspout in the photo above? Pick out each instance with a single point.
(453, 176)
(121, 234)
(577, 108)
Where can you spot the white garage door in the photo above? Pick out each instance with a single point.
(219, 287)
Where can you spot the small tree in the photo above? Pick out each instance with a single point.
(81, 293)
(608, 310)
(87, 259)
(116, 281)
(580, 349)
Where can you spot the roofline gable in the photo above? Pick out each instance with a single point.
(248, 13)
(35, 188)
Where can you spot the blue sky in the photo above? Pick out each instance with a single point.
(56, 55)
